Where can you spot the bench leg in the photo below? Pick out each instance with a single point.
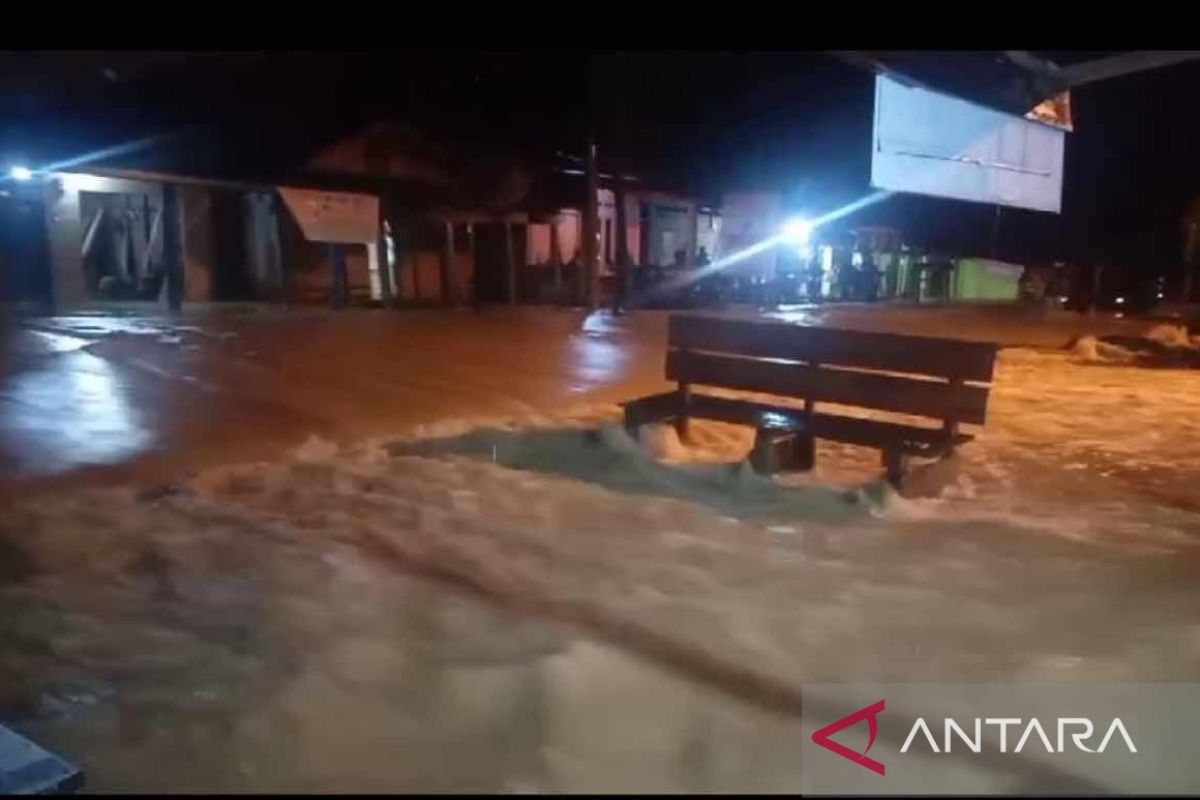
(804, 453)
(684, 395)
(632, 420)
(763, 457)
(930, 478)
(895, 464)
(647, 410)
(781, 451)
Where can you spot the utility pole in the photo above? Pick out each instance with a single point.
(996, 232)
(591, 228)
(616, 86)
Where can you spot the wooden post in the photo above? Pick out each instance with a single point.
(172, 247)
(448, 265)
(151, 240)
(510, 266)
(476, 297)
(556, 254)
(622, 270)
(399, 241)
(275, 250)
(385, 275)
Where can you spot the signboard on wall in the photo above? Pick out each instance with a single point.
(333, 217)
(930, 143)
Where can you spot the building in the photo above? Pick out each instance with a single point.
(408, 221)
(457, 218)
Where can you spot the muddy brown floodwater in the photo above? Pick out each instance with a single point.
(374, 550)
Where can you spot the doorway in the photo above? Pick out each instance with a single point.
(24, 255)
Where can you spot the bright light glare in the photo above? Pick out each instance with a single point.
(788, 234)
(1120, 300)
(20, 173)
(797, 231)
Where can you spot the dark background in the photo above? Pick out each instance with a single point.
(703, 122)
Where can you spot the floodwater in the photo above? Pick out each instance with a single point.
(157, 396)
(377, 550)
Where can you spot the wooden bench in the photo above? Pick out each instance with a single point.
(939, 379)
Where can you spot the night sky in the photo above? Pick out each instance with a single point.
(706, 122)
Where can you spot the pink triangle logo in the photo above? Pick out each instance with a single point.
(870, 714)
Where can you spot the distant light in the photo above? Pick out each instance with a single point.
(20, 173)
(1120, 300)
(797, 231)
(83, 182)
(1160, 295)
(1063, 298)
(573, 172)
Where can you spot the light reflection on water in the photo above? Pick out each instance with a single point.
(595, 355)
(71, 410)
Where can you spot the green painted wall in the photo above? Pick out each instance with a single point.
(984, 279)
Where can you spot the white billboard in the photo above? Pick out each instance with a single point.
(934, 144)
(338, 217)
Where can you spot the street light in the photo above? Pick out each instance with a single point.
(797, 231)
(19, 173)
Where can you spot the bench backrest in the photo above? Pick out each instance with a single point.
(917, 375)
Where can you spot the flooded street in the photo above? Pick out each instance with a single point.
(259, 550)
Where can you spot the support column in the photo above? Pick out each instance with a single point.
(400, 240)
(622, 259)
(275, 250)
(448, 265)
(172, 248)
(476, 296)
(510, 263)
(556, 254)
(381, 258)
